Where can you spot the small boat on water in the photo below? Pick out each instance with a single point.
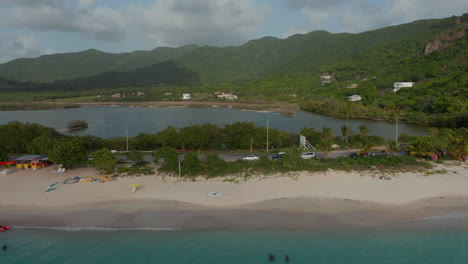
(4, 228)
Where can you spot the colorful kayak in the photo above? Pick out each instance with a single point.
(4, 228)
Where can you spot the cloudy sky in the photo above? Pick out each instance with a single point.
(30, 28)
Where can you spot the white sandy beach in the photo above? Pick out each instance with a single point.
(299, 201)
(26, 187)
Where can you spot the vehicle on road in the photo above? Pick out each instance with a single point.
(381, 153)
(251, 158)
(308, 155)
(278, 155)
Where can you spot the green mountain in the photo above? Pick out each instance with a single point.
(68, 66)
(255, 59)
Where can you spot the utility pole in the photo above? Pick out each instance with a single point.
(396, 130)
(268, 120)
(180, 170)
(126, 133)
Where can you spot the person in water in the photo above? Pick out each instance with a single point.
(271, 257)
(5, 247)
(286, 258)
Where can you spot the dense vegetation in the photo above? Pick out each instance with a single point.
(72, 151)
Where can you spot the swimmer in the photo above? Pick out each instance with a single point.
(271, 257)
(5, 247)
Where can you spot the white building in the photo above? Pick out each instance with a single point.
(354, 98)
(222, 95)
(325, 79)
(186, 97)
(398, 85)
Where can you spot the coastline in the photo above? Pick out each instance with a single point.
(302, 201)
(323, 214)
(286, 108)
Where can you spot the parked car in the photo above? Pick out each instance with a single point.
(251, 158)
(308, 155)
(278, 155)
(381, 153)
(358, 154)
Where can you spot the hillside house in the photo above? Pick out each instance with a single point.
(116, 95)
(353, 85)
(354, 98)
(398, 85)
(227, 96)
(325, 79)
(186, 97)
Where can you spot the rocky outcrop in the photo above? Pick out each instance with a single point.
(446, 39)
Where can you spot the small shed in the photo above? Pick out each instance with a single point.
(186, 97)
(398, 85)
(33, 161)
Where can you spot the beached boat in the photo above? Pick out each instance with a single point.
(4, 228)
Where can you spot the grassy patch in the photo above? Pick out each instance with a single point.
(436, 172)
(137, 169)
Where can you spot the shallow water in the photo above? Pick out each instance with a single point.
(392, 245)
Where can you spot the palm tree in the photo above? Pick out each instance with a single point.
(366, 146)
(423, 146)
(325, 146)
(327, 133)
(392, 146)
(363, 130)
(346, 132)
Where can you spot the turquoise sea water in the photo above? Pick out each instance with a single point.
(151, 246)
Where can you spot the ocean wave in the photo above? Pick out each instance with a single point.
(444, 217)
(98, 229)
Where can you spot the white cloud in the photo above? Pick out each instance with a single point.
(19, 46)
(171, 22)
(85, 4)
(361, 15)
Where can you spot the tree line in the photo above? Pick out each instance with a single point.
(17, 137)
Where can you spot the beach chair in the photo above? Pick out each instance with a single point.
(134, 189)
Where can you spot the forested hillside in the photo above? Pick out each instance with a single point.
(255, 59)
(68, 66)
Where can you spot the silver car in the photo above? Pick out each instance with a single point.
(308, 155)
(251, 158)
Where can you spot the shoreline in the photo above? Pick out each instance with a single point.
(326, 214)
(286, 108)
(300, 201)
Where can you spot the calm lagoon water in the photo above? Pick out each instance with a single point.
(110, 122)
(364, 247)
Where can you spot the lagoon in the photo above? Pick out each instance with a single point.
(108, 122)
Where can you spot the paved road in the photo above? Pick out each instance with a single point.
(234, 157)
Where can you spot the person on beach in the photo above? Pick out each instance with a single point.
(271, 257)
(286, 258)
(5, 247)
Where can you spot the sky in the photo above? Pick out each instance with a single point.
(31, 28)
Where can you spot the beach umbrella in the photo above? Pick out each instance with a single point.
(134, 187)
